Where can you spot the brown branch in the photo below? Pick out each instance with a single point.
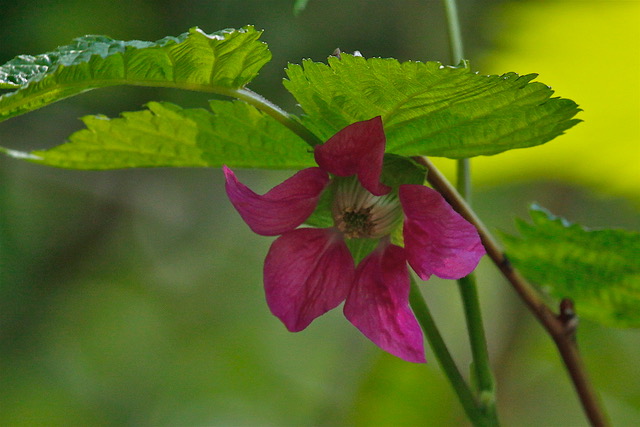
(561, 327)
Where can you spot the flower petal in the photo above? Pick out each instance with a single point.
(358, 149)
(437, 239)
(378, 304)
(282, 208)
(307, 272)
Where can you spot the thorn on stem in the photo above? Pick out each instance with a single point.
(505, 262)
(568, 317)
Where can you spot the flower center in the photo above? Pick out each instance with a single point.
(359, 214)
(355, 224)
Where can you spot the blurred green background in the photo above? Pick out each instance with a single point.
(135, 298)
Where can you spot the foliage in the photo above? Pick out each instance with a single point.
(598, 269)
(429, 109)
(236, 134)
(217, 62)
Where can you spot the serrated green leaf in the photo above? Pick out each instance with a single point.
(218, 62)
(429, 109)
(598, 269)
(235, 134)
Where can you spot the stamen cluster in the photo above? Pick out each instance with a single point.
(359, 214)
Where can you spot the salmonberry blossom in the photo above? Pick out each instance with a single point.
(309, 271)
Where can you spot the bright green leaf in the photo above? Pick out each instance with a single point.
(220, 62)
(235, 134)
(429, 109)
(598, 269)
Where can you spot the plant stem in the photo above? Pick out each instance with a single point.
(455, 35)
(563, 333)
(473, 315)
(477, 340)
(463, 178)
(277, 113)
(467, 285)
(448, 365)
(475, 325)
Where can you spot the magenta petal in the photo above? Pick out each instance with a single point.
(358, 150)
(436, 238)
(307, 272)
(282, 208)
(378, 304)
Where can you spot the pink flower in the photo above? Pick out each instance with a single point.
(309, 271)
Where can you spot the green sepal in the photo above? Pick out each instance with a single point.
(321, 216)
(398, 170)
(360, 248)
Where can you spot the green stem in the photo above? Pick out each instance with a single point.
(448, 365)
(467, 285)
(473, 315)
(475, 325)
(477, 340)
(277, 113)
(455, 35)
(463, 178)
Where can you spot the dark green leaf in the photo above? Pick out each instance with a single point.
(236, 134)
(598, 269)
(219, 62)
(429, 109)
